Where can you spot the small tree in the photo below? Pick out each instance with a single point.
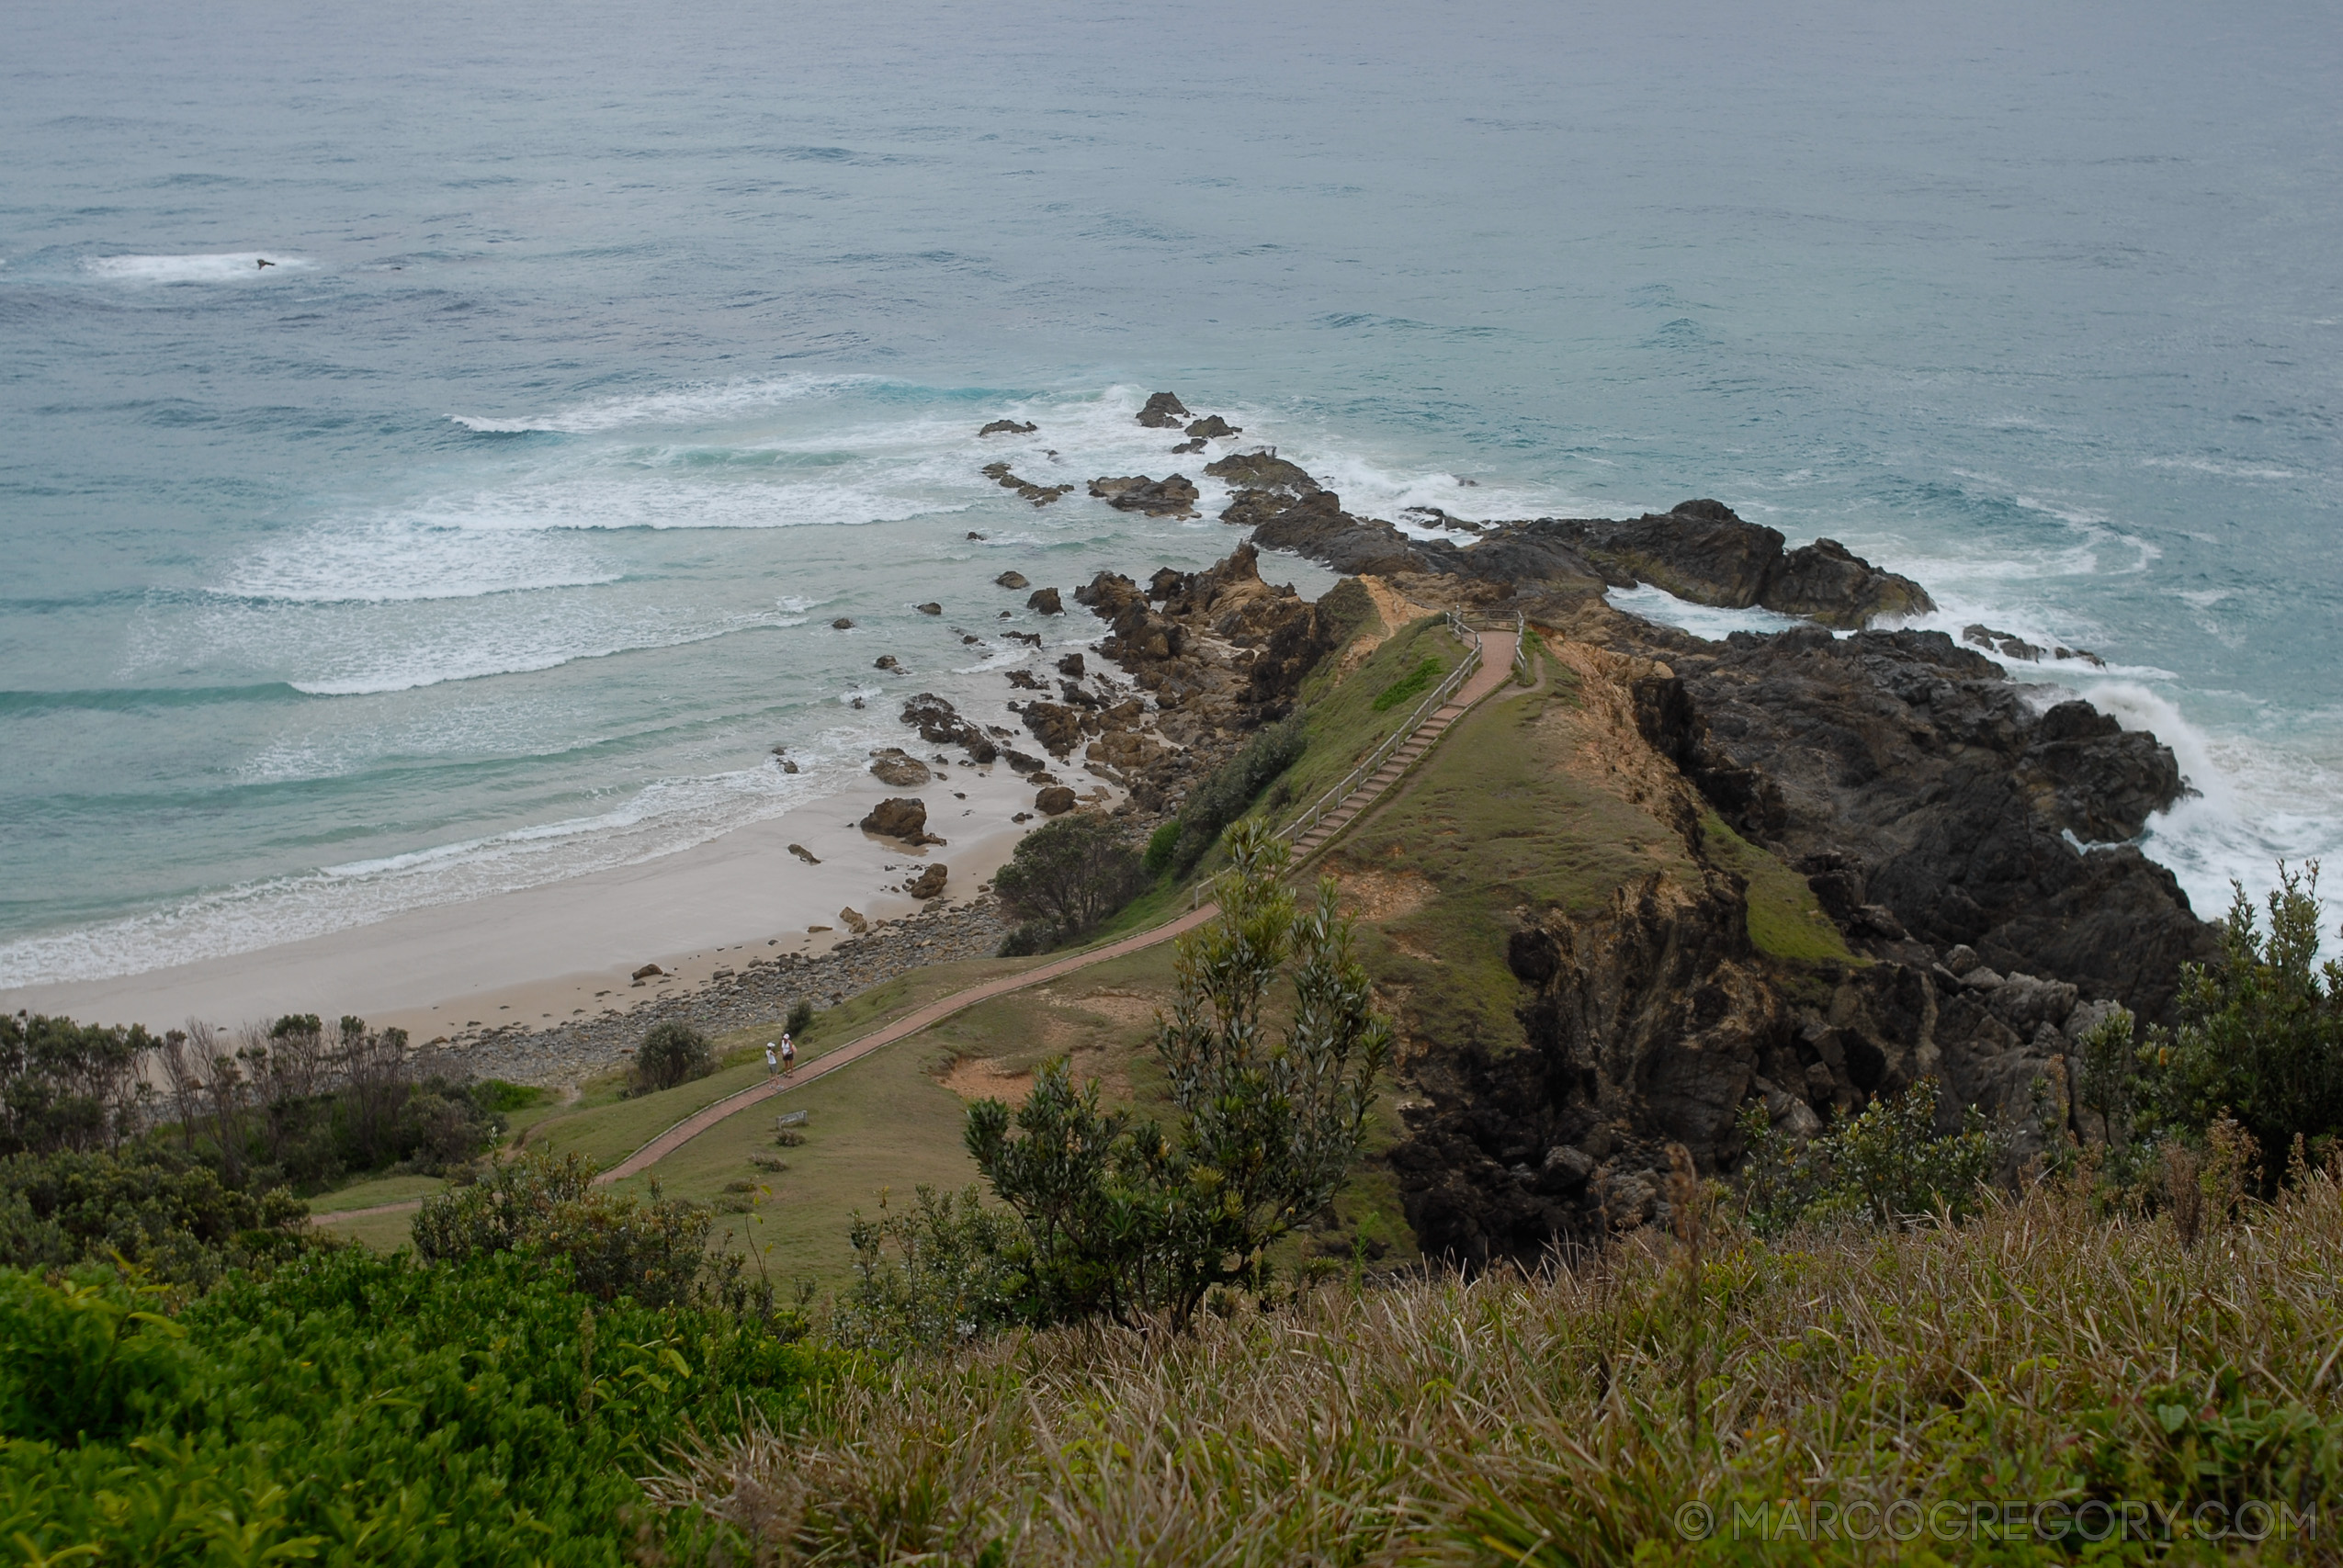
(671, 1053)
(1122, 1218)
(2262, 1032)
(1068, 875)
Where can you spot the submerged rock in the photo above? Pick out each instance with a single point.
(1008, 427)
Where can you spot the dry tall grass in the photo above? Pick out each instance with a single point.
(2039, 1352)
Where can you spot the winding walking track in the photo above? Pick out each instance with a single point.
(1486, 674)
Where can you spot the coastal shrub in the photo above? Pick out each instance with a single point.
(2260, 1033)
(1122, 1218)
(800, 1020)
(1213, 805)
(1068, 875)
(616, 1245)
(156, 1209)
(358, 1409)
(1409, 687)
(69, 1086)
(298, 1105)
(941, 1273)
(1162, 846)
(671, 1053)
(1888, 1166)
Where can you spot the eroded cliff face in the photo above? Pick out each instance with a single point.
(1654, 1017)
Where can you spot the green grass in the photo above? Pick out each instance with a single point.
(1345, 724)
(1414, 683)
(1497, 819)
(1786, 922)
(377, 1189)
(2040, 1352)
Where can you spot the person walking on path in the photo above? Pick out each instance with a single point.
(772, 1062)
(788, 1054)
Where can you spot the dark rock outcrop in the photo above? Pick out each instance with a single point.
(1906, 771)
(1040, 495)
(940, 723)
(929, 883)
(1008, 427)
(1012, 580)
(1059, 728)
(1055, 800)
(1046, 602)
(1174, 495)
(1163, 412)
(1213, 427)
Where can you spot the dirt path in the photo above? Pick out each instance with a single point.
(1496, 670)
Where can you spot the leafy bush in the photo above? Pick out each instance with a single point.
(357, 1409)
(1222, 798)
(673, 1053)
(155, 1208)
(1408, 687)
(2260, 1034)
(1069, 875)
(616, 1245)
(1888, 1166)
(800, 1020)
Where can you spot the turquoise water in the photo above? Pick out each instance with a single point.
(612, 351)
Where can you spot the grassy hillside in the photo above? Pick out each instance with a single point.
(1655, 1406)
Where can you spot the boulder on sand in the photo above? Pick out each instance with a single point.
(1055, 801)
(928, 882)
(899, 816)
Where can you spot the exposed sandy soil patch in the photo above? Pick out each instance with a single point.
(1376, 896)
(973, 1077)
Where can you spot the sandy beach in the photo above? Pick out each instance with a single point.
(544, 956)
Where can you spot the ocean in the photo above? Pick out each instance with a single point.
(610, 352)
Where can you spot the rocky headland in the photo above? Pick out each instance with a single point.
(1959, 843)
(1968, 838)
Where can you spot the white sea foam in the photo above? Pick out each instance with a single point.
(1701, 620)
(703, 404)
(228, 267)
(388, 560)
